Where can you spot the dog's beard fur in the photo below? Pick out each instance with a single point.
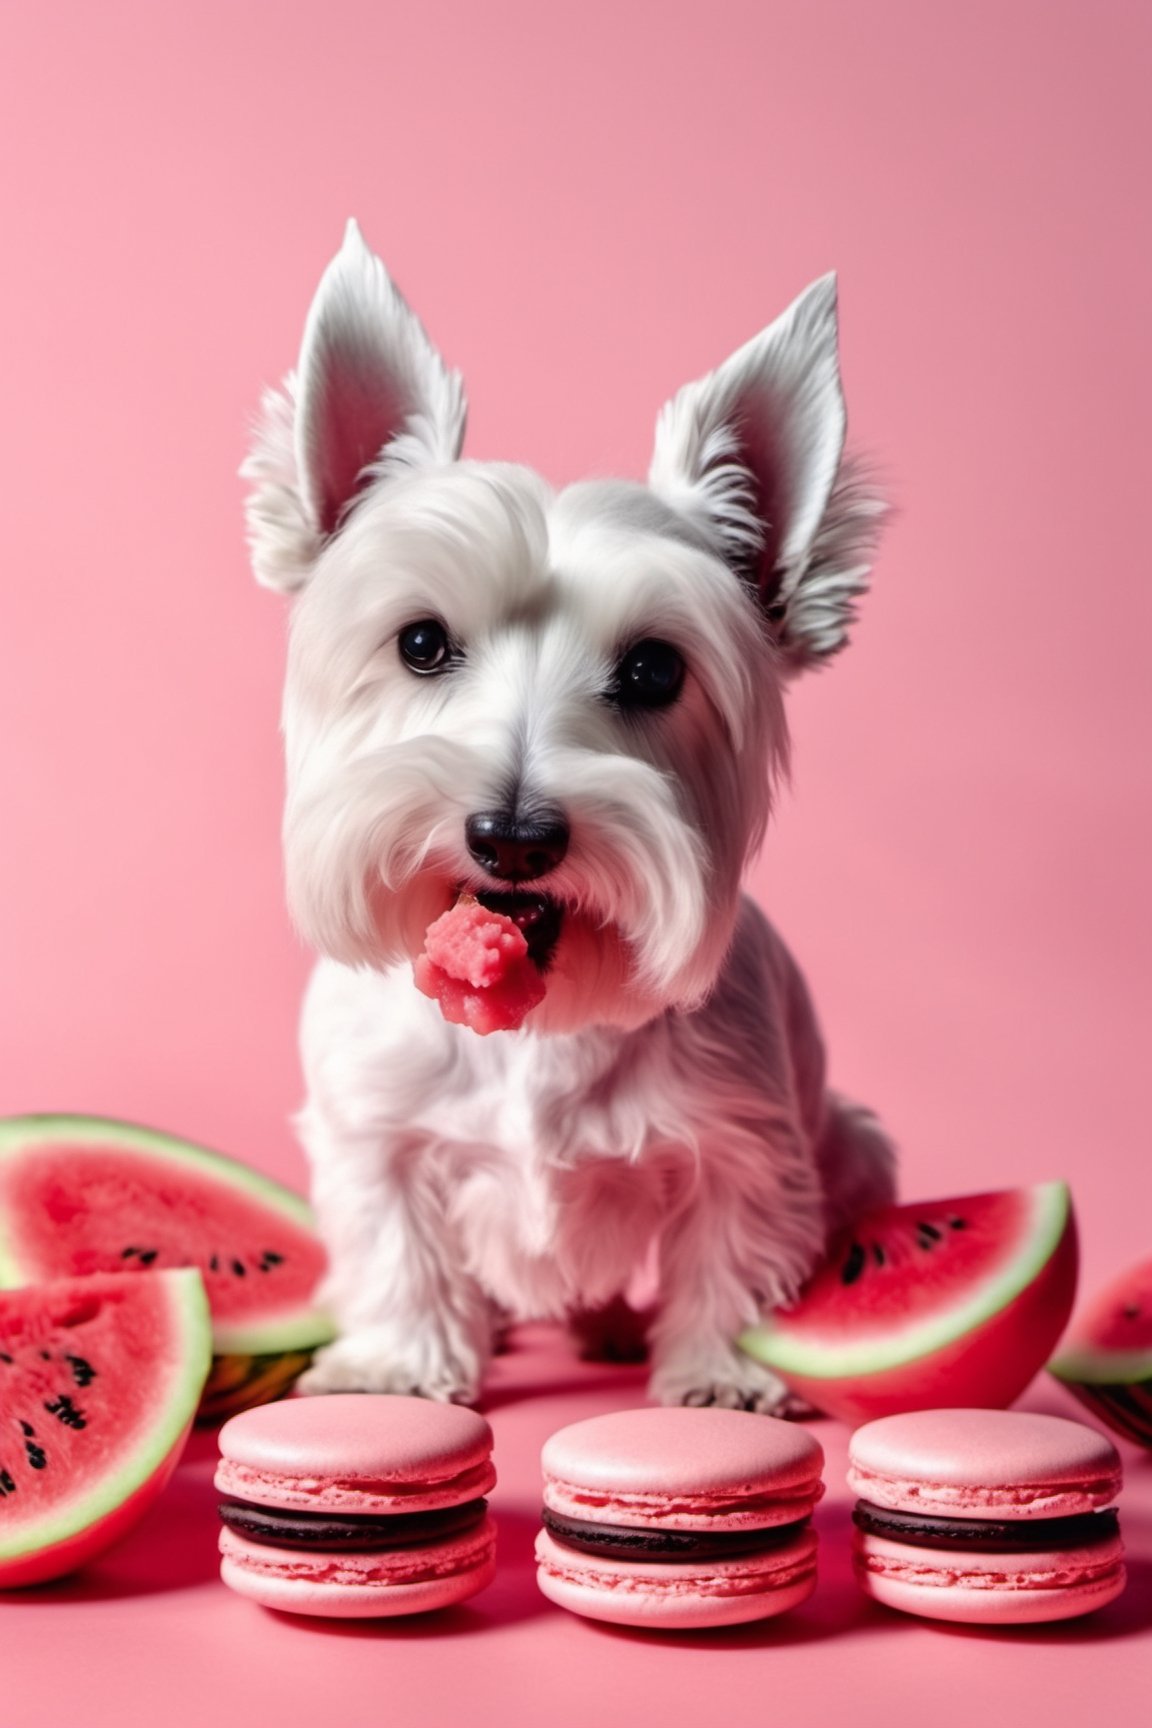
(386, 766)
(746, 553)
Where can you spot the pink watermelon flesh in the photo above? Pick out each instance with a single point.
(84, 1195)
(99, 1381)
(948, 1302)
(475, 964)
(1106, 1359)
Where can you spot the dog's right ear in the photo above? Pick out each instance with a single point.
(370, 393)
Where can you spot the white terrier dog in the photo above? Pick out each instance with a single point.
(570, 706)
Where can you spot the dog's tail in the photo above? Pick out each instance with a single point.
(857, 1163)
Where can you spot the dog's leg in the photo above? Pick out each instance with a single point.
(410, 1319)
(739, 1245)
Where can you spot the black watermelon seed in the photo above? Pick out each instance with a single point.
(46, 1355)
(126, 1253)
(239, 1268)
(271, 1258)
(878, 1254)
(26, 1426)
(929, 1230)
(82, 1372)
(853, 1266)
(37, 1456)
(214, 1263)
(147, 1255)
(958, 1223)
(4, 1357)
(1132, 1311)
(65, 1411)
(7, 1486)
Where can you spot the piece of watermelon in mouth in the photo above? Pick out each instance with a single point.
(477, 965)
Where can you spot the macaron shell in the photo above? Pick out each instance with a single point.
(975, 1462)
(358, 1585)
(331, 1494)
(379, 1435)
(353, 1452)
(670, 1596)
(683, 1468)
(987, 1588)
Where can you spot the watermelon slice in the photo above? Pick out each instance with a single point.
(99, 1380)
(83, 1194)
(948, 1302)
(1106, 1360)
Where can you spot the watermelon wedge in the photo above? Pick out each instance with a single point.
(84, 1194)
(1106, 1359)
(946, 1302)
(99, 1382)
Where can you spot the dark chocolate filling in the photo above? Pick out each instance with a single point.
(1016, 1536)
(363, 1534)
(626, 1542)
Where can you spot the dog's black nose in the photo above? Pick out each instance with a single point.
(513, 849)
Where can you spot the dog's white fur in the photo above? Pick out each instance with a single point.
(671, 1084)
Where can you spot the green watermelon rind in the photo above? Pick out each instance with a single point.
(1102, 1367)
(179, 1396)
(1084, 1361)
(303, 1329)
(771, 1343)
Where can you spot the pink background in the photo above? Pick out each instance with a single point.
(588, 206)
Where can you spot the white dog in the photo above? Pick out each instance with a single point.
(570, 705)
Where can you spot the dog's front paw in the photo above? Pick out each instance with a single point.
(373, 1362)
(727, 1381)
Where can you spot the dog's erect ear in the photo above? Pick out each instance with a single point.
(754, 454)
(370, 390)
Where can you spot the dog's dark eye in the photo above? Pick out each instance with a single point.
(424, 647)
(649, 676)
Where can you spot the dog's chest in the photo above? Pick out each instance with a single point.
(555, 1104)
(562, 1176)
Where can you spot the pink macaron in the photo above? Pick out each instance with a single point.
(355, 1505)
(995, 1517)
(679, 1518)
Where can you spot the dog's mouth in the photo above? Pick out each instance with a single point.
(536, 916)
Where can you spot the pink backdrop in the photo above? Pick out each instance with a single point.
(588, 206)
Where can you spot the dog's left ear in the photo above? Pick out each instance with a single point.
(370, 393)
(754, 454)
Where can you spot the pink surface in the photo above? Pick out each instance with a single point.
(683, 1469)
(962, 1463)
(990, 1589)
(681, 1596)
(589, 209)
(416, 1580)
(152, 1634)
